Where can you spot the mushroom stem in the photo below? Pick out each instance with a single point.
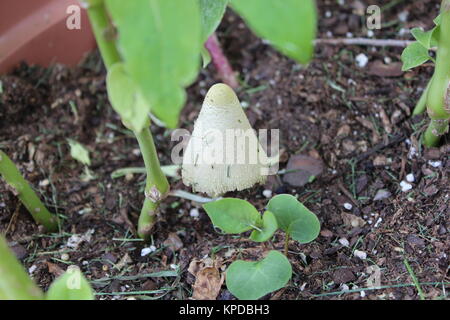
(26, 194)
(223, 66)
(156, 187)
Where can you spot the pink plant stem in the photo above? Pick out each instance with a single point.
(221, 62)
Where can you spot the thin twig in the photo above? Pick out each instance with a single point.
(365, 42)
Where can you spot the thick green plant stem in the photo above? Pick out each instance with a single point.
(104, 32)
(421, 105)
(15, 284)
(156, 187)
(438, 94)
(27, 196)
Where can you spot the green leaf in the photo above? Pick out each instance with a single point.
(126, 98)
(423, 37)
(253, 280)
(15, 283)
(211, 12)
(438, 19)
(72, 285)
(289, 25)
(294, 218)
(206, 57)
(268, 228)
(79, 152)
(286, 209)
(414, 55)
(160, 43)
(305, 229)
(232, 215)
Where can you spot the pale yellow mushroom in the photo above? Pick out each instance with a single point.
(223, 153)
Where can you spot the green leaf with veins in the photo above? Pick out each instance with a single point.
(160, 43)
(267, 229)
(126, 98)
(211, 12)
(305, 229)
(252, 280)
(289, 25)
(233, 215)
(414, 55)
(428, 39)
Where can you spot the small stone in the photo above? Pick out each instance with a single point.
(194, 213)
(44, 183)
(343, 275)
(348, 206)
(65, 257)
(380, 161)
(360, 254)
(32, 269)
(344, 242)
(382, 194)
(267, 193)
(362, 60)
(435, 164)
(326, 233)
(403, 16)
(405, 186)
(378, 222)
(410, 177)
(146, 251)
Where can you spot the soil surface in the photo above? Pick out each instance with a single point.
(355, 121)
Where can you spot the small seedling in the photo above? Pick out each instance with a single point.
(26, 194)
(15, 284)
(253, 280)
(436, 97)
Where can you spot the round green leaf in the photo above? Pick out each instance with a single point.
(289, 25)
(72, 285)
(286, 209)
(268, 228)
(233, 215)
(252, 280)
(305, 229)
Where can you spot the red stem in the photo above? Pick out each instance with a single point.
(221, 62)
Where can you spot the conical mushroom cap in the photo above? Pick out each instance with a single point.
(223, 153)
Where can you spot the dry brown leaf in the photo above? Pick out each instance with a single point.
(353, 221)
(208, 278)
(54, 269)
(174, 242)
